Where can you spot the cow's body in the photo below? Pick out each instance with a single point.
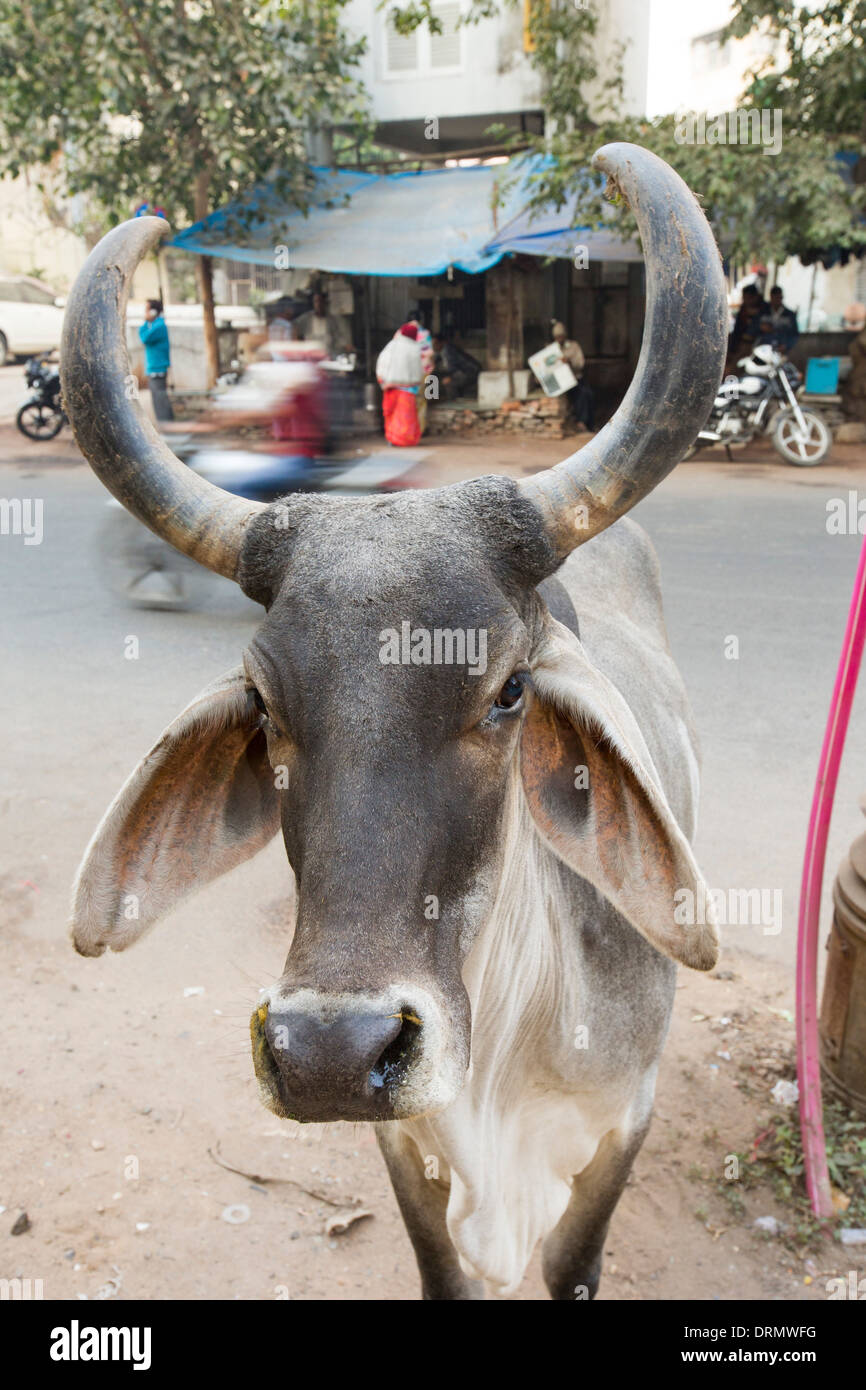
(489, 853)
(555, 956)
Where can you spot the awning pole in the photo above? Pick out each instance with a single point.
(811, 298)
(368, 333)
(509, 337)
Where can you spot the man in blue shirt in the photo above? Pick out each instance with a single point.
(154, 334)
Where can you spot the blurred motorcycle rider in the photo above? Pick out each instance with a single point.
(285, 389)
(299, 415)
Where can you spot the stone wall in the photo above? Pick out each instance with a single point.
(542, 415)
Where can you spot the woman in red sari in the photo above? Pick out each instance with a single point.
(399, 374)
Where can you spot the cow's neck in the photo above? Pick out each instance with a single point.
(515, 1135)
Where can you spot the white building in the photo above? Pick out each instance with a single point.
(39, 238)
(471, 76)
(689, 68)
(33, 242)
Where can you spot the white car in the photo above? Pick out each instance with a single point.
(31, 317)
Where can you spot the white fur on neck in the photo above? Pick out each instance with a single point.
(522, 1127)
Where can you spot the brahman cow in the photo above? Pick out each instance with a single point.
(488, 862)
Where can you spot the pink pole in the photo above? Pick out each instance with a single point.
(808, 1072)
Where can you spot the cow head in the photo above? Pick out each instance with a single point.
(407, 704)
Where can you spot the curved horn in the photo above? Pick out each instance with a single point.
(112, 432)
(680, 365)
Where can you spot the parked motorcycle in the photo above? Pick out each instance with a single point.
(764, 400)
(41, 416)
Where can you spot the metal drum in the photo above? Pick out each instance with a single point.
(843, 1005)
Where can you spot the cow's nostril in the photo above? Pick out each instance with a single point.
(392, 1063)
(343, 1066)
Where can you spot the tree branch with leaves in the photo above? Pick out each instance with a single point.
(181, 103)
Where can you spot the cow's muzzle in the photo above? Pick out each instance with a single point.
(320, 1058)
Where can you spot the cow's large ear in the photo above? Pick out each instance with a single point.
(596, 798)
(200, 802)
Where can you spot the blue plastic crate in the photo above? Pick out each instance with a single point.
(822, 376)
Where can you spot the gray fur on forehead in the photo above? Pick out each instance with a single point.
(489, 519)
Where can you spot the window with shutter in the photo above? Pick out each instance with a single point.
(401, 50)
(446, 48)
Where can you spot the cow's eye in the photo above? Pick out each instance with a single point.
(266, 721)
(511, 693)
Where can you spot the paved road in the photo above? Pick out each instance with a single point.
(745, 554)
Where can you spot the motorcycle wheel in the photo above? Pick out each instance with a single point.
(39, 421)
(804, 451)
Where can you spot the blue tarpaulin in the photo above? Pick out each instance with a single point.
(408, 223)
(551, 234)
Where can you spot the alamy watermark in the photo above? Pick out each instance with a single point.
(730, 907)
(852, 1288)
(749, 126)
(846, 516)
(22, 516)
(438, 646)
(77, 1343)
(21, 1290)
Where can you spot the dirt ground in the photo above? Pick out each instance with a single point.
(126, 1091)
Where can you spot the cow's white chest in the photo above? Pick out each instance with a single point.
(510, 1174)
(534, 1107)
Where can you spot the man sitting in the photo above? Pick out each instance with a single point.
(779, 324)
(331, 330)
(747, 324)
(457, 370)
